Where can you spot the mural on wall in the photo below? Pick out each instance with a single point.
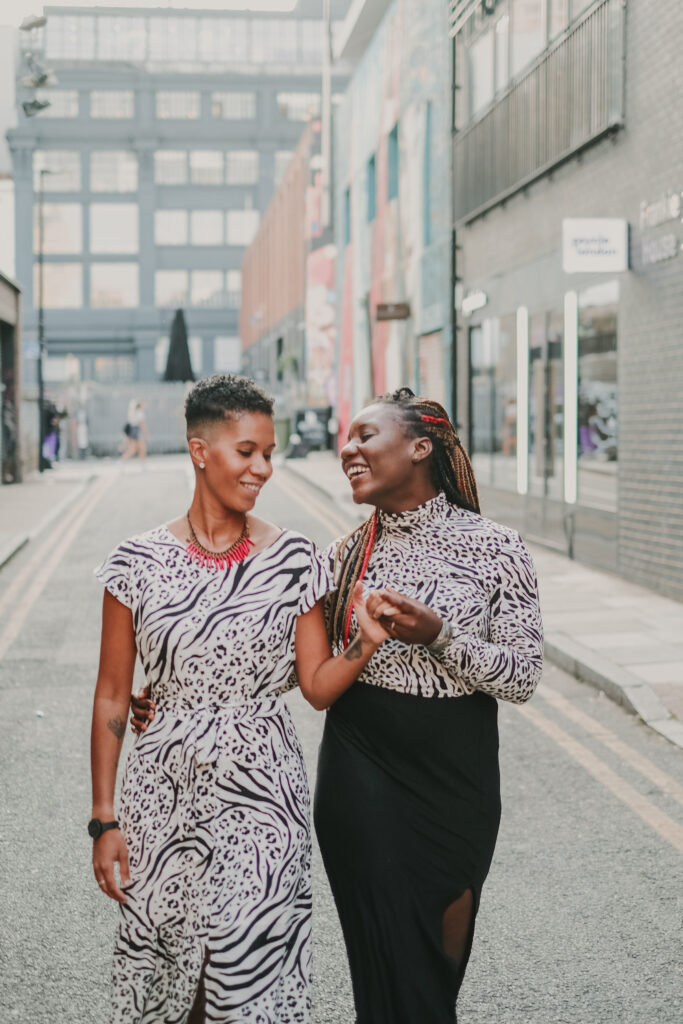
(321, 331)
(397, 235)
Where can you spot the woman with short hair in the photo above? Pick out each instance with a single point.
(214, 840)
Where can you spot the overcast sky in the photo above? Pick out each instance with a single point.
(12, 12)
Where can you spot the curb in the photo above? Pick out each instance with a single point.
(583, 664)
(618, 683)
(22, 539)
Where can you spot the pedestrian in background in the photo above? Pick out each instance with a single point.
(136, 431)
(214, 847)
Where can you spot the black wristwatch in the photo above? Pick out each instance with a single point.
(97, 827)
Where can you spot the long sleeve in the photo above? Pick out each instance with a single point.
(509, 663)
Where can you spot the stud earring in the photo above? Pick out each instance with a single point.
(202, 465)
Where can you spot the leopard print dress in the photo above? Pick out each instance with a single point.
(214, 804)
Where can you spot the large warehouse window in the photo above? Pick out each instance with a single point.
(112, 103)
(178, 105)
(233, 106)
(171, 287)
(170, 227)
(170, 167)
(62, 285)
(113, 170)
(62, 228)
(114, 228)
(114, 285)
(63, 167)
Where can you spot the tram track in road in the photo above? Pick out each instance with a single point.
(25, 589)
(590, 727)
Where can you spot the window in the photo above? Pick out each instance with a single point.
(312, 35)
(172, 38)
(528, 38)
(62, 285)
(70, 37)
(392, 161)
(298, 106)
(557, 17)
(178, 105)
(282, 158)
(233, 287)
(546, 404)
(233, 106)
(273, 41)
(372, 189)
(62, 228)
(122, 37)
(112, 103)
(113, 170)
(114, 369)
(502, 52)
(64, 170)
(170, 167)
(598, 396)
(241, 167)
(63, 102)
(196, 347)
(480, 58)
(161, 355)
(223, 39)
(171, 287)
(207, 288)
(170, 227)
(347, 216)
(242, 225)
(206, 167)
(114, 285)
(493, 382)
(227, 355)
(206, 227)
(114, 228)
(427, 179)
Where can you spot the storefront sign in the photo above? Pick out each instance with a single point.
(474, 301)
(393, 311)
(594, 245)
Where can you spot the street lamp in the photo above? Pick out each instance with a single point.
(41, 322)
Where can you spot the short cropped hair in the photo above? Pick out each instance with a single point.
(224, 396)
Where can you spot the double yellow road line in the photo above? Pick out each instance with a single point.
(27, 586)
(666, 826)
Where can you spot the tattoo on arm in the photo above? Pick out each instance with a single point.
(354, 650)
(117, 726)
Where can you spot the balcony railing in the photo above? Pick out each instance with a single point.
(572, 95)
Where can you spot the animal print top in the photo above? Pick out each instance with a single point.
(478, 575)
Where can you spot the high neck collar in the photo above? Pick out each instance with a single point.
(413, 518)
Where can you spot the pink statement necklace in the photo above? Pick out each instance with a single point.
(237, 552)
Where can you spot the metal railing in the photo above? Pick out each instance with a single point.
(573, 94)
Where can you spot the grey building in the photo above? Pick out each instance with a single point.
(568, 203)
(165, 137)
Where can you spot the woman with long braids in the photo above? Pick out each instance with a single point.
(407, 802)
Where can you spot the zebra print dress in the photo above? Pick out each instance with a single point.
(214, 805)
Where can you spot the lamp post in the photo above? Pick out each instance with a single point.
(41, 324)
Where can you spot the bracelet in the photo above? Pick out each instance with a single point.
(440, 642)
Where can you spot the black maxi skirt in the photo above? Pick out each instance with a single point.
(407, 808)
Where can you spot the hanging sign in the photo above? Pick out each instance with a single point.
(392, 311)
(594, 245)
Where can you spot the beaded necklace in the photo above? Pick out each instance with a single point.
(237, 551)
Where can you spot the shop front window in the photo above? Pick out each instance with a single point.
(546, 404)
(598, 396)
(493, 355)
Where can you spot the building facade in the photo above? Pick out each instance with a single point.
(287, 321)
(165, 138)
(13, 448)
(392, 195)
(567, 211)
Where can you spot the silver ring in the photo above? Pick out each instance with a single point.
(101, 881)
(393, 626)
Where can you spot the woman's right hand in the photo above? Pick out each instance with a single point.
(108, 850)
(142, 710)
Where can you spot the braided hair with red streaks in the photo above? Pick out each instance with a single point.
(451, 472)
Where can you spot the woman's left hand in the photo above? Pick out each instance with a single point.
(406, 619)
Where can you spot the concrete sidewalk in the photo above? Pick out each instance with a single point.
(615, 635)
(29, 508)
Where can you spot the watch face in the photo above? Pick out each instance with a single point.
(95, 828)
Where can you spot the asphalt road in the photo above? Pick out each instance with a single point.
(581, 916)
